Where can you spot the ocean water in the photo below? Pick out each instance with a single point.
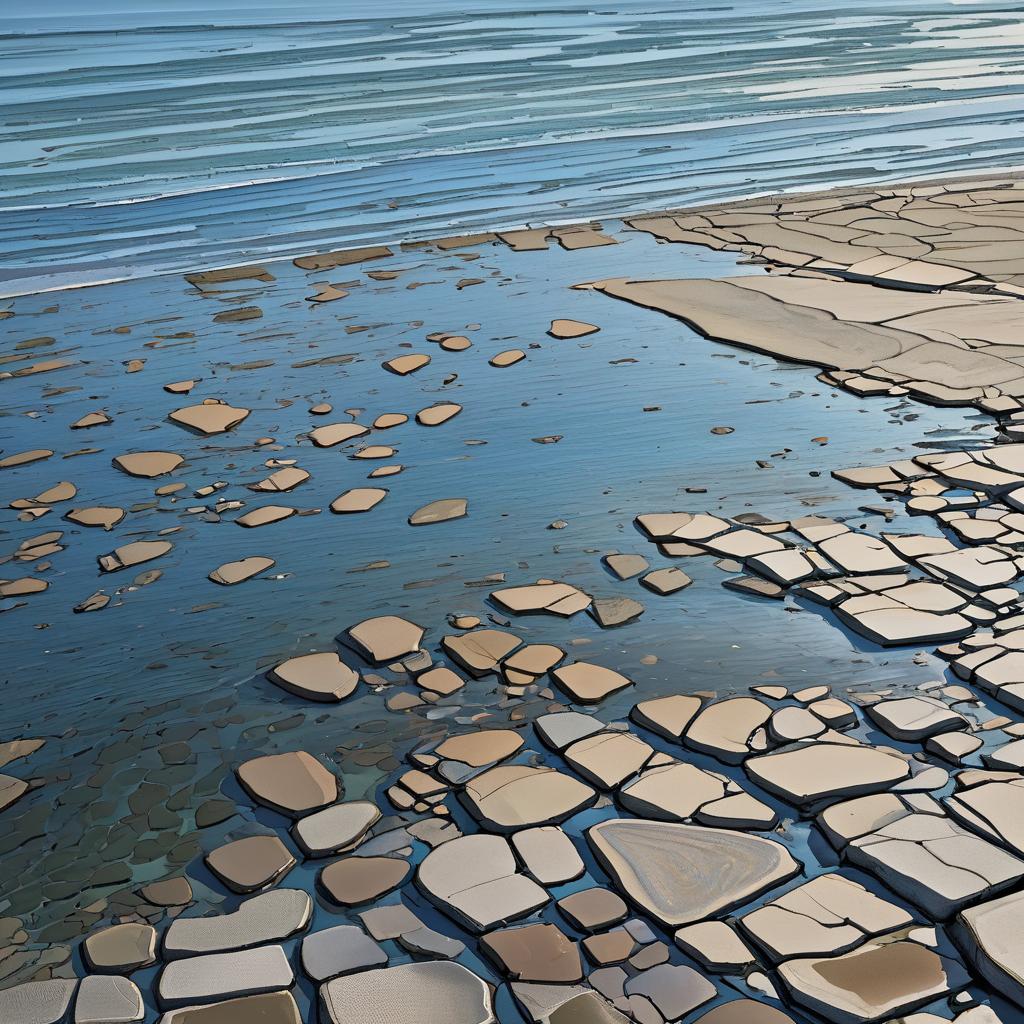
(139, 139)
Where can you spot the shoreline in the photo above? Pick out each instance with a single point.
(1014, 172)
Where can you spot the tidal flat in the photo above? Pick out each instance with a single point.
(429, 610)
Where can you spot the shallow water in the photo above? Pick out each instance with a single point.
(175, 137)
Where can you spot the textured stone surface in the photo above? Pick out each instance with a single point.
(104, 999)
(475, 879)
(684, 873)
(294, 783)
(508, 798)
(252, 863)
(340, 950)
(270, 917)
(37, 1002)
(272, 1008)
(875, 982)
(334, 828)
(425, 993)
(120, 948)
(990, 937)
(207, 979)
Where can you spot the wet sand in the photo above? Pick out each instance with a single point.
(538, 502)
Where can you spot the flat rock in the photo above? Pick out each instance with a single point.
(293, 783)
(989, 937)
(103, 999)
(135, 553)
(666, 716)
(483, 747)
(608, 759)
(319, 677)
(609, 612)
(744, 1011)
(209, 417)
(511, 797)
(571, 329)
(674, 989)
(439, 511)
(331, 434)
(356, 880)
(592, 909)
(343, 949)
(385, 638)
(560, 729)
(271, 1008)
(475, 880)
(418, 993)
(403, 365)
(724, 729)
(915, 718)
(666, 581)
(715, 946)
(507, 358)
(265, 515)
(586, 683)
(534, 952)
(269, 917)
(826, 916)
(555, 598)
(681, 874)
(358, 499)
(230, 573)
(435, 415)
(335, 828)
(876, 982)
(673, 792)
(208, 979)
(147, 464)
(37, 1002)
(816, 771)
(932, 862)
(121, 948)
(250, 864)
(480, 651)
(548, 855)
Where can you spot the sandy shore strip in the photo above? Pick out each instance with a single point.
(471, 791)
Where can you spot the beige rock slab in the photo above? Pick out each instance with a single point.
(269, 917)
(147, 464)
(511, 797)
(816, 771)
(681, 874)
(206, 979)
(37, 1002)
(989, 935)
(875, 982)
(672, 792)
(608, 759)
(335, 828)
(294, 783)
(475, 880)
(724, 729)
(586, 683)
(485, 746)
(265, 515)
(320, 677)
(826, 916)
(508, 358)
(104, 516)
(244, 569)
(439, 511)
(209, 417)
(571, 329)
(282, 480)
(667, 716)
(331, 434)
(716, 947)
(403, 365)
(416, 993)
(548, 855)
(134, 553)
(359, 499)
(480, 651)
(435, 415)
(385, 638)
